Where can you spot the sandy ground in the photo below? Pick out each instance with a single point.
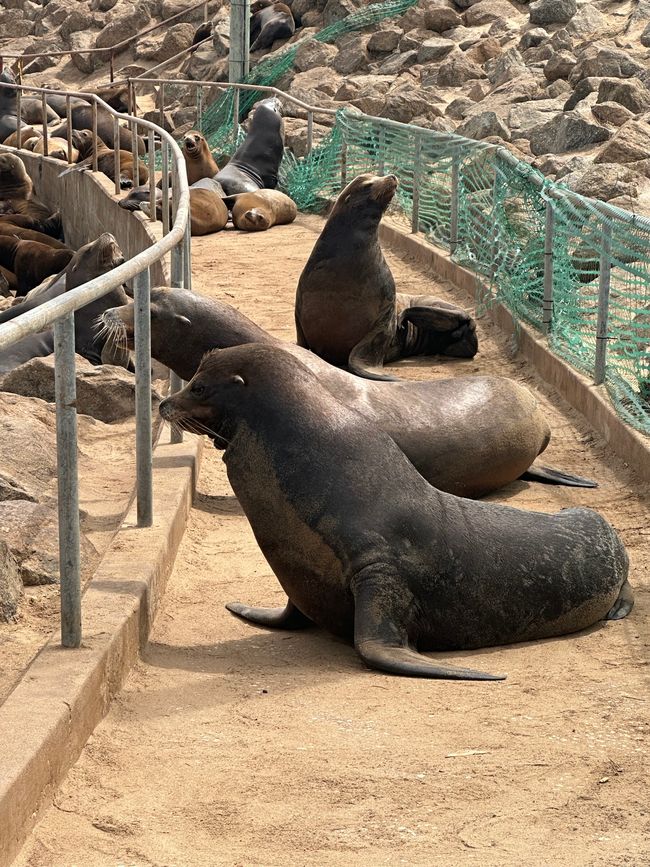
(231, 745)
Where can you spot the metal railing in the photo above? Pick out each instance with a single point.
(111, 50)
(59, 312)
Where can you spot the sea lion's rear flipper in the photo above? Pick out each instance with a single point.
(366, 359)
(380, 603)
(624, 603)
(288, 617)
(549, 476)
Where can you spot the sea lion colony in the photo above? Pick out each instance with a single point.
(394, 564)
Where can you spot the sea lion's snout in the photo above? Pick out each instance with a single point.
(125, 183)
(383, 189)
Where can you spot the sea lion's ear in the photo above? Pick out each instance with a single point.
(179, 318)
(237, 380)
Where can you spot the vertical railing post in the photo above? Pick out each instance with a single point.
(143, 447)
(178, 278)
(547, 303)
(187, 255)
(417, 171)
(19, 117)
(454, 202)
(603, 304)
(240, 28)
(46, 148)
(116, 152)
(68, 117)
(151, 150)
(344, 163)
(381, 150)
(95, 157)
(310, 131)
(68, 489)
(135, 153)
(164, 149)
(199, 108)
(235, 118)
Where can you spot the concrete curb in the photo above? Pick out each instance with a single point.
(589, 399)
(63, 695)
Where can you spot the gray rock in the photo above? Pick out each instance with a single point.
(79, 19)
(588, 22)
(434, 49)
(645, 37)
(630, 144)
(457, 69)
(611, 113)
(484, 50)
(407, 103)
(487, 11)
(311, 54)
(582, 91)
(314, 84)
(627, 92)
(524, 116)
(465, 4)
(177, 38)
(11, 586)
(169, 8)
(508, 66)
(532, 38)
(558, 88)
(458, 107)
(567, 132)
(384, 41)
(552, 11)
(606, 63)
(559, 66)
(84, 61)
(441, 18)
(104, 392)
(13, 24)
(413, 39)
(398, 62)
(483, 125)
(123, 27)
(295, 135)
(337, 10)
(102, 5)
(353, 54)
(606, 182)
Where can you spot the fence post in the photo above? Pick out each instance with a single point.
(454, 202)
(135, 153)
(68, 489)
(603, 304)
(199, 108)
(46, 148)
(68, 117)
(417, 169)
(151, 150)
(116, 154)
(143, 448)
(95, 157)
(187, 255)
(19, 117)
(344, 164)
(547, 303)
(164, 150)
(235, 118)
(381, 145)
(310, 131)
(240, 28)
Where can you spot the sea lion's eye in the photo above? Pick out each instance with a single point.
(198, 389)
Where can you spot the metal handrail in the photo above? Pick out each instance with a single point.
(114, 49)
(59, 312)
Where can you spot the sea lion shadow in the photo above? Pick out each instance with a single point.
(217, 504)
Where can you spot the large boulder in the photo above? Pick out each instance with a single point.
(311, 54)
(440, 18)
(353, 54)
(177, 38)
(13, 24)
(124, 26)
(398, 62)
(457, 69)
(627, 92)
(508, 66)
(559, 66)
(170, 8)
(552, 11)
(606, 62)
(630, 144)
(606, 182)
(611, 113)
(10, 584)
(581, 91)
(434, 49)
(385, 41)
(314, 84)
(488, 11)
(104, 392)
(484, 125)
(407, 103)
(295, 135)
(566, 132)
(525, 116)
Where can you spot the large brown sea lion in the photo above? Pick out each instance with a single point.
(208, 211)
(256, 162)
(51, 226)
(31, 261)
(26, 133)
(12, 231)
(87, 148)
(468, 436)
(16, 190)
(366, 548)
(82, 118)
(270, 21)
(56, 148)
(199, 162)
(346, 305)
(257, 211)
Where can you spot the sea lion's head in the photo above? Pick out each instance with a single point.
(93, 259)
(82, 140)
(167, 323)
(367, 195)
(260, 4)
(12, 171)
(193, 143)
(254, 220)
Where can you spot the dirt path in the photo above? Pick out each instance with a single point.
(235, 746)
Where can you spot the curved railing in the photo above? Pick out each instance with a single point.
(59, 312)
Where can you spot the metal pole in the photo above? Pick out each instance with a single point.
(164, 148)
(161, 97)
(344, 163)
(240, 29)
(95, 158)
(187, 255)
(116, 152)
(381, 147)
(151, 150)
(134, 152)
(19, 117)
(68, 490)
(46, 148)
(417, 159)
(68, 117)
(547, 303)
(603, 304)
(205, 13)
(235, 118)
(199, 108)
(310, 131)
(143, 448)
(453, 205)
(112, 73)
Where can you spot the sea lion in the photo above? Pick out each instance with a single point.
(115, 95)
(199, 162)
(8, 107)
(26, 134)
(56, 148)
(269, 21)
(31, 261)
(11, 231)
(16, 189)
(346, 305)
(202, 32)
(87, 147)
(93, 259)
(256, 162)
(257, 211)
(208, 211)
(366, 548)
(31, 346)
(468, 436)
(5, 288)
(82, 118)
(51, 226)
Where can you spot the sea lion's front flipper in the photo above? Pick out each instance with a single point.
(381, 603)
(556, 477)
(366, 359)
(288, 617)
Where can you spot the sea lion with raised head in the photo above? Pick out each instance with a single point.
(199, 162)
(258, 211)
(256, 163)
(347, 308)
(16, 189)
(270, 21)
(366, 548)
(31, 261)
(87, 148)
(468, 435)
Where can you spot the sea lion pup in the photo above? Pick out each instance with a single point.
(31, 261)
(255, 212)
(52, 226)
(366, 548)
(16, 189)
(256, 162)
(270, 21)
(208, 212)
(26, 133)
(83, 140)
(56, 148)
(346, 304)
(468, 435)
(199, 162)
